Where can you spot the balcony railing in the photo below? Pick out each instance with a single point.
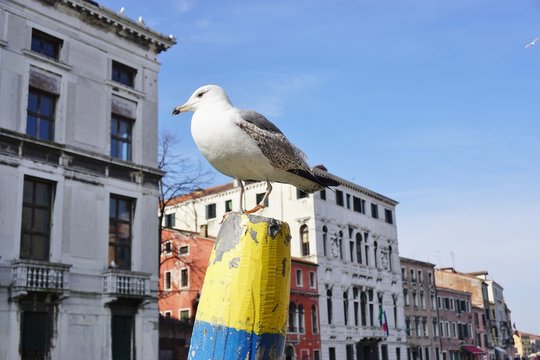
(32, 275)
(126, 283)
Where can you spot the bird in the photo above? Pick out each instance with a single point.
(141, 20)
(532, 43)
(245, 145)
(122, 11)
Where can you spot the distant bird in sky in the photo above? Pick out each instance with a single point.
(141, 20)
(532, 43)
(245, 145)
(122, 11)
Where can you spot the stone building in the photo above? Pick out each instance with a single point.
(421, 319)
(455, 324)
(351, 234)
(78, 180)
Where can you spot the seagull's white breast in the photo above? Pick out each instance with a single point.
(226, 146)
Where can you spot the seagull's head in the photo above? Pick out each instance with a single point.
(203, 96)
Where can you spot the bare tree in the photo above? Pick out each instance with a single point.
(182, 176)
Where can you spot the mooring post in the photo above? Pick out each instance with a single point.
(243, 309)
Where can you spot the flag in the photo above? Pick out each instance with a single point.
(382, 319)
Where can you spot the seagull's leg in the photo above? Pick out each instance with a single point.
(241, 195)
(261, 205)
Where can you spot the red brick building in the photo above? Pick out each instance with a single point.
(303, 330)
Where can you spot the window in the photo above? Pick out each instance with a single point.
(316, 355)
(228, 206)
(412, 275)
(374, 211)
(375, 254)
(123, 74)
(170, 220)
(348, 197)
(363, 308)
(300, 194)
(312, 284)
(430, 278)
(388, 218)
(403, 274)
(339, 197)
(292, 318)
(349, 351)
(351, 250)
(46, 44)
(301, 319)
(406, 296)
(390, 266)
(36, 332)
(183, 250)
(210, 211)
(420, 276)
(259, 197)
(329, 305)
(36, 219)
(289, 353)
(346, 307)
(304, 237)
(167, 280)
(357, 204)
(184, 315)
(167, 248)
(121, 130)
(299, 281)
(314, 319)
(340, 244)
(414, 299)
(167, 314)
(332, 353)
(123, 327)
(395, 299)
(358, 248)
(323, 194)
(184, 278)
(120, 221)
(407, 326)
(40, 114)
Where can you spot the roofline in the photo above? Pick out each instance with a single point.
(121, 23)
(416, 261)
(318, 171)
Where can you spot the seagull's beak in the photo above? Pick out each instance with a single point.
(181, 108)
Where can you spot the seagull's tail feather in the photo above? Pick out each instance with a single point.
(320, 182)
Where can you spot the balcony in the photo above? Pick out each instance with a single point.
(122, 283)
(39, 276)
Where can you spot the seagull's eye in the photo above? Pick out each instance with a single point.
(200, 95)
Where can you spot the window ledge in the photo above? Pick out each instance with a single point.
(3, 43)
(47, 60)
(118, 87)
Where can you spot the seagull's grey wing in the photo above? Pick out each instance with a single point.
(273, 144)
(259, 120)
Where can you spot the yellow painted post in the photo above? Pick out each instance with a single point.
(243, 309)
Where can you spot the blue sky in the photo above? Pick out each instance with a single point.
(433, 103)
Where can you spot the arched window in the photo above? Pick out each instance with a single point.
(363, 305)
(314, 320)
(301, 318)
(292, 318)
(289, 353)
(304, 238)
(329, 305)
(324, 238)
(358, 248)
(346, 307)
(375, 254)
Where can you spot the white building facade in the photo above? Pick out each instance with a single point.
(350, 232)
(78, 182)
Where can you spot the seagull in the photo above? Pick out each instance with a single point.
(141, 20)
(532, 43)
(245, 145)
(122, 11)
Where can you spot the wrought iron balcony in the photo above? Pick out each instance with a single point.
(126, 283)
(40, 276)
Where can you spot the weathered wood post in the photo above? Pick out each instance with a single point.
(243, 309)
